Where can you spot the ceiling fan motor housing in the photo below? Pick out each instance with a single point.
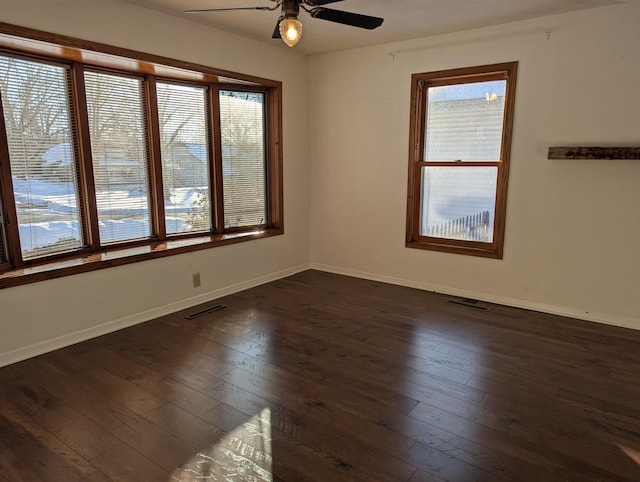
(290, 8)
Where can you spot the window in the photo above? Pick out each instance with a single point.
(460, 142)
(39, 130)
(182, 112)
(117, 130)
(243, 158)
(115, 153)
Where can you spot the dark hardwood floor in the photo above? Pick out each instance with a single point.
(329, 378)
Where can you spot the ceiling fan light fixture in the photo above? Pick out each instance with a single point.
(290, 30)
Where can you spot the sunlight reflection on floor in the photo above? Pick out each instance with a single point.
(243, 454)
(631, 453)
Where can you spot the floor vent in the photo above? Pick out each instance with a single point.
(206, 311)
(469, 303)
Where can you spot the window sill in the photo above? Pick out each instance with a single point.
(484, 252)
(117, 257)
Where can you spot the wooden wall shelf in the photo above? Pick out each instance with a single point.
(594, 153)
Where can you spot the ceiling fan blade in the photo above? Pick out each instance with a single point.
(347, 18)
(225, 9)
(276, 31)
(317, 3)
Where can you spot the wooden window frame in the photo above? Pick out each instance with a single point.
(80, 55)
(420, 84)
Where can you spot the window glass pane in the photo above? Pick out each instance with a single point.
(464, 122)
(120, 161)
(458, 202)
(243, 158)
(35, 101)
(185, 157)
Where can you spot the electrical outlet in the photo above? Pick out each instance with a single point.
(196, 279)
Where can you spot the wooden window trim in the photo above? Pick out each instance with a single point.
(153, 152)
(9, 212)
(215, 150)
(4, 265)
(419, 85)
(86, 183)
(80, 55)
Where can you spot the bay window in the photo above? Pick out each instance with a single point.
(110, 156)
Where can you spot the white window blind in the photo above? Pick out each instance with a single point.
(459, 202)
(42, 157)
(182, 111)
(464, 122)
(243, 158)
(120, 161)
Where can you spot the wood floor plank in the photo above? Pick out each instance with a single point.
(446, 466)
(97, 476)
(122, 390)
(86, 400)
(36, 453)
(123, 463)
(422, 476)
(304, 459)
(48, 412)
(159, 446)
(314, 365)
(192, 430)
(155, 382)
(571, 445)
(316, 418)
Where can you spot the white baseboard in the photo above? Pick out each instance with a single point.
(501, 300)
(111, 326)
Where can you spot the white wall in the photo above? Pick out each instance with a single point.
(41, 316)
(573, 227)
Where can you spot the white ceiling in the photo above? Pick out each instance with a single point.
(403, 19)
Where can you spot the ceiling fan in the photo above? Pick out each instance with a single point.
(289, 28)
